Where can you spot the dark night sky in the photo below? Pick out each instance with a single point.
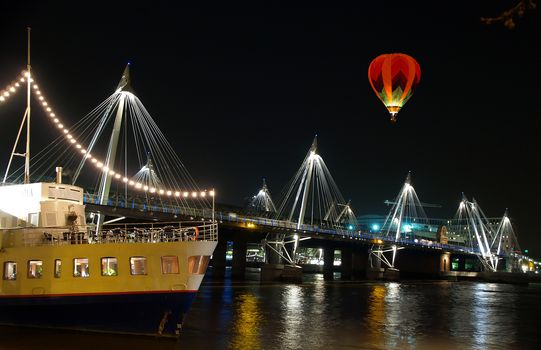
(240, 91)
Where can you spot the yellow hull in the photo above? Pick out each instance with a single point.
(154, 280)
(152, 300)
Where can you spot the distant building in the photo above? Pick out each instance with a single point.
(426, 230)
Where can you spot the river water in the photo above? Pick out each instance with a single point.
(333, 315)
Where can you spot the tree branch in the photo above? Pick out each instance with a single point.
(509, 16)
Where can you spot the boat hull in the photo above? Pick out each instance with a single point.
(156, 313)
(150, 299)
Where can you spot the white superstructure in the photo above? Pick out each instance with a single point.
(41, 205)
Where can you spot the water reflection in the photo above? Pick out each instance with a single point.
(246, 323)
(394, 319)
(392, 316)
(376, 314)
(493, 314)
(323, 315)
(292, 314)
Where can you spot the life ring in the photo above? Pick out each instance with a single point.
(196, 235)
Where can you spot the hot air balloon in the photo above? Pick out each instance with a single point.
(394, 78)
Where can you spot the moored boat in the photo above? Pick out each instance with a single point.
(60, 271)
(127, 278)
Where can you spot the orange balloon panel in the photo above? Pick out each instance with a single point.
(394, 78)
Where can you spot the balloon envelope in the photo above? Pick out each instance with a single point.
(394, 78)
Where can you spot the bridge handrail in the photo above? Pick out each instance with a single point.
(221, 216)
(342, 232)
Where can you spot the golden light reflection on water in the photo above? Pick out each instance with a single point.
(391, 319)
(376, 313)
(246, 324)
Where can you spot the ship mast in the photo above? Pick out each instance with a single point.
(26, 118)
(28, 92)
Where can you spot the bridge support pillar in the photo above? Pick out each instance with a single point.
(271, 256)
(328, 263)
(391, 274)
(415, 263)
(238, 265)
(359, 263)
(277, 268)
(445, 262)
(374, 271)
(218, 259)
(347, 263)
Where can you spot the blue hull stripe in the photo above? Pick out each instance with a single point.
(141, 313)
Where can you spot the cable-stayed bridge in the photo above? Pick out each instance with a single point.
(130, 171)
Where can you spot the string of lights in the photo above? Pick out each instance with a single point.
(98, 163)
(12, 88)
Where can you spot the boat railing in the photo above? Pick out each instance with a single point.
(157, 232)
(114, 233)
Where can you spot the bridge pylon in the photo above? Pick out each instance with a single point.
(490, 243)
(508, 244)
(313, 198)
(403, 219)
(106, 178)
(262, 202)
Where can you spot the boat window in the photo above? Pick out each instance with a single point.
(57, 268)
(35, 269)
(169, 264)
(138, 265)
(80, 267)
(198, 264)
(109, 267)
(10, 270)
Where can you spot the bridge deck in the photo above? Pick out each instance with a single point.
(261, 223)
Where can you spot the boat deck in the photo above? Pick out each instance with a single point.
(124, 233)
